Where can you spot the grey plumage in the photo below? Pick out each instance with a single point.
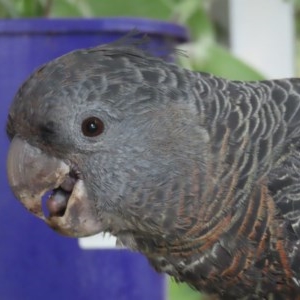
(199, 173)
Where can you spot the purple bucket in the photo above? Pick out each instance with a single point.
(35, 262)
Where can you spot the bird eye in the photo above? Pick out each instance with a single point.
(92, 127)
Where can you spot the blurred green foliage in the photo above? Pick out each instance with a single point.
(297, 23)
(181, 291)
(204, 52)
(24, 8)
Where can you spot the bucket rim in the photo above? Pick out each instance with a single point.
(92, 25)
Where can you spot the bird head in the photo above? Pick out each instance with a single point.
(111, 137)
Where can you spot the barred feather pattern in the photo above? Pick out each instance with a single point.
(237, 233)
(230, 229)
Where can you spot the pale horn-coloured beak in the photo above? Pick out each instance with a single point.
(33, 173)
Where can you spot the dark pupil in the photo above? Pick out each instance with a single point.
(92, 126)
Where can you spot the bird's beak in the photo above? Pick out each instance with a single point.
(32, 174)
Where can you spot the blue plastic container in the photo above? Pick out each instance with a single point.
(35, 262)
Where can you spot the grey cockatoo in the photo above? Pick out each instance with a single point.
(198, 173)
